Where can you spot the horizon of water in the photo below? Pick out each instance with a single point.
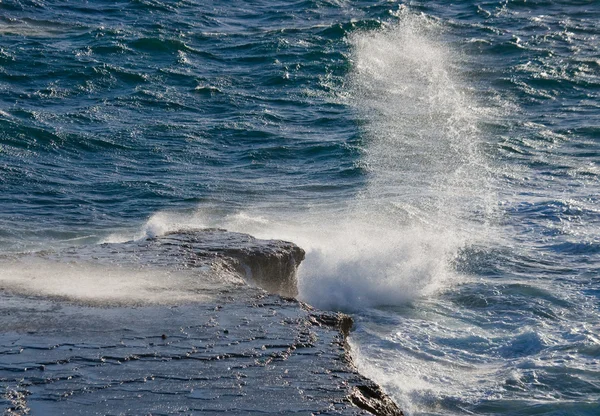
(437, 162)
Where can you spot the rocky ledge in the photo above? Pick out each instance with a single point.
(245, 352)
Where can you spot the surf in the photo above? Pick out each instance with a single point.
(428, 191)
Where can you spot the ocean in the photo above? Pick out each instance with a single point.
(437, 161)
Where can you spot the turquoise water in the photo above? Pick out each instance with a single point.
(437, 160)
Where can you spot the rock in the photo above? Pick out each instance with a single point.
(340, 321)
(366, 394)
(242, 352)
(270, 264)
(371, 398)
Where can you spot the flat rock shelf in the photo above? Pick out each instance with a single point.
(244, 352)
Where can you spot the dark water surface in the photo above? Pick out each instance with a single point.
(438, 161)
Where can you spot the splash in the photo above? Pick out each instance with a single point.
(159, 224)
(420, 127)
(427, 193)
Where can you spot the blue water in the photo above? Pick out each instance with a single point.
(438, 161)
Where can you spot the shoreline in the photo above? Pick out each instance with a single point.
(237, 357)
(242, 352)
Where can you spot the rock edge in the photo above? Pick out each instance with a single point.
(271, 264)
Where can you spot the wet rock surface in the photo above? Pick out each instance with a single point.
(245, 352)
(270, 264)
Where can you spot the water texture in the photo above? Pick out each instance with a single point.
(438, 161)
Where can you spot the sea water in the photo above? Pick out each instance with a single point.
(438, 161)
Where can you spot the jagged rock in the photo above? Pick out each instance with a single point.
(365, 394)
(339, 321)
(371, 398)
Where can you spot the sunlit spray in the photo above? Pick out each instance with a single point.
(427, 191)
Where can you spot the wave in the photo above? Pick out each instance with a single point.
(427, 188)
(427, 193)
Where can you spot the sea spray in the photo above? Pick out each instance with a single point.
(420, 127)
(101, 284)
(354, 129)
(427, 192)
(427, 185)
